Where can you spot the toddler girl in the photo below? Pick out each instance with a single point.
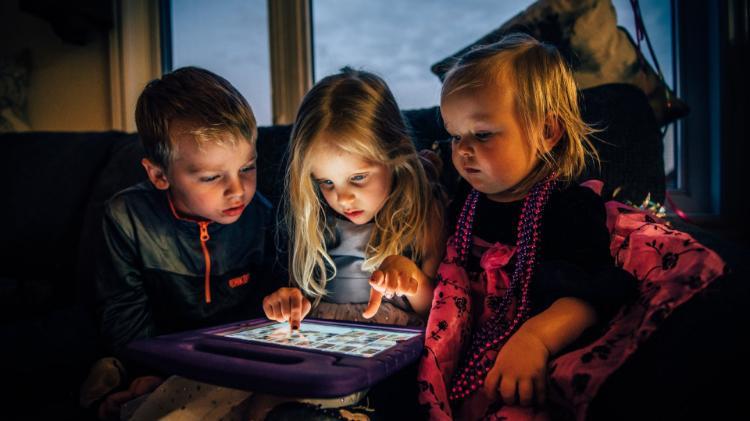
(528, 269)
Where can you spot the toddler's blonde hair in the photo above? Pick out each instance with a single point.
(544, 88)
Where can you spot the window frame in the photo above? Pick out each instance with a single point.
(698, 62)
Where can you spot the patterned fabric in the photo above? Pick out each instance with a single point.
(670, 266)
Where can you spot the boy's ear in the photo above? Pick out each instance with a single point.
(553, 131)
(156, 174)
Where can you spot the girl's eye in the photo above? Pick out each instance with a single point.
(325, 184)
(249, 168)
(209, 179)
(359, 177)
(455, 139)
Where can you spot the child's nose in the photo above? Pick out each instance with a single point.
(345, 198)
(462, 147)
(235, 187)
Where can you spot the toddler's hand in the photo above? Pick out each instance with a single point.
(287, 304)
(521, 371)
(395, 276)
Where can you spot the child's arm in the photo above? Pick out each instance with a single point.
(398, 275)
(287, 304)
(520, 368)
(123, 305)
(421, 302)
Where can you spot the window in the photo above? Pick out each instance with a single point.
(400, 40)
(230, 38)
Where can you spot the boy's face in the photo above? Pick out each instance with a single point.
(353, 187)
(208, 181)
(489, 147)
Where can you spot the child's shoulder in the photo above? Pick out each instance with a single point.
(136, 199)
(576, 200)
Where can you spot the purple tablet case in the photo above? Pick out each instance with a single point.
(268, 368)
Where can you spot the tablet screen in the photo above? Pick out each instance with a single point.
(343, 339)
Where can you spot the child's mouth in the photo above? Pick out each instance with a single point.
(354, 214)
(233, 211)
(471, 170)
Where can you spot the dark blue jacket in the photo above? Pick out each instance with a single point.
(157, 275)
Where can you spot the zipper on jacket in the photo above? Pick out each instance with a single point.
(204, 238)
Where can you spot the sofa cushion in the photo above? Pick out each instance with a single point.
(272, 145)
(121, 170)
(48, 181)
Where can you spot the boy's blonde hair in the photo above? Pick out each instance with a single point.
(356, 113)
(544, 88)
(204, 99)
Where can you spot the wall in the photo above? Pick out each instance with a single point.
(69, 86)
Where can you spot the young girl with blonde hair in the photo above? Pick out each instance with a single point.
(364, 221)
(528, 268)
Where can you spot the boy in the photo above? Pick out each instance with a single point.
(190, 247)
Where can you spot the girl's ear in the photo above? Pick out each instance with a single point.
(156, 174)
(553, 131)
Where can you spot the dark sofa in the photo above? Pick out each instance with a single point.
(55, 184)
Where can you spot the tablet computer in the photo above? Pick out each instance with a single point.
(345, 339)
(323, 359)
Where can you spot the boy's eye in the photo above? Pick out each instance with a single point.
(358, 177)
(483, 135)
(209, 179)
(455, 139)
(247, 168)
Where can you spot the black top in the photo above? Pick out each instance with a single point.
(574, 258)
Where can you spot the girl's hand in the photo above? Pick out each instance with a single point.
(520, 371)
(287, 304)
(397, 275)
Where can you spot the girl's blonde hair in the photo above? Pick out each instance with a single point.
(544, 88)
(355, 112)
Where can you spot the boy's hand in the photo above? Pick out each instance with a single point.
(520, 371)
(109, 409)
(287, 304)
(395, 276)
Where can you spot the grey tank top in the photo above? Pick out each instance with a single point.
(351, 285)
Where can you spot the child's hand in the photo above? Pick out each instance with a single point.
(110, 407)
(520, 371)
(395, 276)
(287, 304)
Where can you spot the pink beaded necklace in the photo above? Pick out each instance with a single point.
(492, 334)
